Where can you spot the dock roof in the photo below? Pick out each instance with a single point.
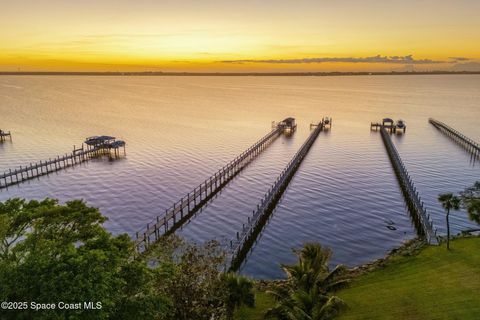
(98, 140)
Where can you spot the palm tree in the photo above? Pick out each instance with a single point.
(449, 202)
(312, 269)
(310, 284)
(239, 292)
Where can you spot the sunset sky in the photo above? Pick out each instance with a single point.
(239, 36)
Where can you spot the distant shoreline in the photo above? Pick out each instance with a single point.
(268, 74)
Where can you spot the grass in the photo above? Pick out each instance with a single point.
(433, 284)
(263, 302)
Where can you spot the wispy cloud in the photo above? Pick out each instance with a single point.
(373, 59)
(459, 58)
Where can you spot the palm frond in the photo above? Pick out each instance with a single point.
(330, 309)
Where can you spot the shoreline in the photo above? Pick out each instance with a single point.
(409, 247)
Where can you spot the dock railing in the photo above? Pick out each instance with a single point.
(412, 197)
(179, 212)
(239, 247)
(40, 168)
(471, 146)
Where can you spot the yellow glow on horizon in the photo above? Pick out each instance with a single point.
(167, 35)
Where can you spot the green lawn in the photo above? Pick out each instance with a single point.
(434, 284)
(263, 302)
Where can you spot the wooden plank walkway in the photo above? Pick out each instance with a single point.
(471, 146)
(37, 169)
(183, 209)
(247, 236)
(414, 202)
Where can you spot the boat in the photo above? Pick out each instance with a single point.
(116, 144)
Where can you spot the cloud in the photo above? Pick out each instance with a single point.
(459, 58)
(373, 59)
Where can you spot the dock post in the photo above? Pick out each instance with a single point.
(218, 180)
(269, 200)
(181, 208)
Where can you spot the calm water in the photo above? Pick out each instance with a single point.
(179, 130)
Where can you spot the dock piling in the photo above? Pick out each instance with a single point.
(467, 143)
(207, 189)
(40, 168)
(4, 135)
(409, 190)
(267, 204)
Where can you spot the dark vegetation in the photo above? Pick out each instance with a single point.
(51, 253)
(468, 199)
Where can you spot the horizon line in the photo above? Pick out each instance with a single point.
(189, 73)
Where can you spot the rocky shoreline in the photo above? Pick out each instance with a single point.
(408, 248)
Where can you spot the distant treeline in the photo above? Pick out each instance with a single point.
(160, 73)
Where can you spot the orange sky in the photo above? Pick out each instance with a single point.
(226, 35)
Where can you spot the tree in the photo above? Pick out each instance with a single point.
(470, 199)
(190, 276)
(51, 253)
(239, 291)
(308, 293)
(449, 201)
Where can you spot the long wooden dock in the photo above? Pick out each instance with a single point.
(4, 135)
(419, 213)
(183, 209)
(37, 169)
(246, 237)
(471, 146)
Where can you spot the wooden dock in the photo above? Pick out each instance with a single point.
(247, 236)
(182, 210)
(470, 145)
(4, 135)
(37, 169)
(390, 125)
(417, 209)
(376, 126)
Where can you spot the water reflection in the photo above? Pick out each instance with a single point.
(181, 129)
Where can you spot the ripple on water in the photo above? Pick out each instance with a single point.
(180, 130)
